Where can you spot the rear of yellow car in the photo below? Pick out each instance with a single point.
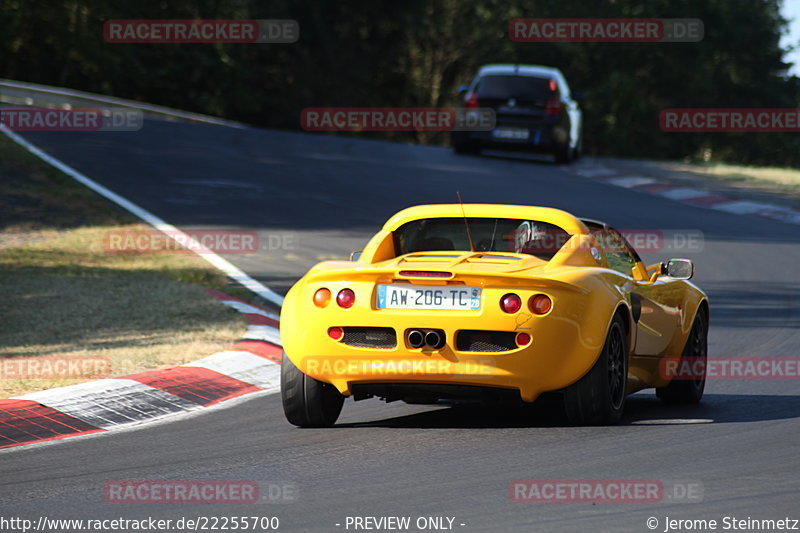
(440, 306)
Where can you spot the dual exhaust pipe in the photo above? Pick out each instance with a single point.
(431, 338)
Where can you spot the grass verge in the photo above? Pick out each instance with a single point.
(64, 297)
(770, 179)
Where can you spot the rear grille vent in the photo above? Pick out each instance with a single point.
(469, 340)
(381, 338)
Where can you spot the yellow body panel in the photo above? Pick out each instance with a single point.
(566, 342)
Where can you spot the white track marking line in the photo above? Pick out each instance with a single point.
(595, 172)
(243, 366)
(682, 193)
(263, 333)
(249, 309)
(631, 181)
(107, 403)
(742, 207)
(171, 231)
(673, 421)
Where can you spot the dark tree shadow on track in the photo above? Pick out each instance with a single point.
(769, 304)
(535, 158)
(639, 410)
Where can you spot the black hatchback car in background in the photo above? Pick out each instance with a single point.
(535, 109)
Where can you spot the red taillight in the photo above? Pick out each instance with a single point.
(523, 339)
(346, 298)
(510, 303)
(322, 297)
(553, 106)
(335, 333)
(553, 86)
(540, 304)
(472, 101)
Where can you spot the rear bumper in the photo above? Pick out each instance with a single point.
(543, 137)
(554, 359)
(563, 346)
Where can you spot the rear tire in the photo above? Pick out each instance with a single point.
(462, 144)
(466, 148)
(598, 398)
(563, 154)
(308, 402)
(577, 152)
(687, 391)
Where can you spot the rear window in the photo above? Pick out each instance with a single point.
(519, 87)
(540, 239)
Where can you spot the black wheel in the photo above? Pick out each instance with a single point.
(467, 148)
(306, 401)
(563, 154)
(598, 398)
(577, 152)
(690, 390)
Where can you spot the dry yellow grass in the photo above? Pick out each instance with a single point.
(63, 297)
(780, 180)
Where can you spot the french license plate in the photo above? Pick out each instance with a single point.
(517, 134)
(447, 298)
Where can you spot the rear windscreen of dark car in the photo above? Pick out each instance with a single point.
(519, 87)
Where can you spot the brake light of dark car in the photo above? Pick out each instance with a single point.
(472, 101)
(553, 105)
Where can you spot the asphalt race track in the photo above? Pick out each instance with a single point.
(323, 196)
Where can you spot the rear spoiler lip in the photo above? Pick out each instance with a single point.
(390, 275)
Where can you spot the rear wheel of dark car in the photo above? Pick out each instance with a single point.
(695, 353)
(563, 154)
(308, 402)
(577, 152)
(467, 148)
(598, 398)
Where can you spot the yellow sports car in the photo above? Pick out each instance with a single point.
(491, 302)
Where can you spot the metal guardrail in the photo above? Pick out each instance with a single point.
(32, 94)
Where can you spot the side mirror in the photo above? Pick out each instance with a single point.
(679, 269)
(462, 89)
(355, 256)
